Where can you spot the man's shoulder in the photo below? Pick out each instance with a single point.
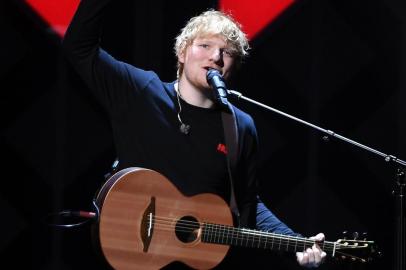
(244, 119)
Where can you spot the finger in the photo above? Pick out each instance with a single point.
(317, 255)
(299, 257)
(311, 260)
(302, 258)
(323, 256)
(319, 237)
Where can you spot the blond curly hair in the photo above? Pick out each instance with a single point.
(213, 22)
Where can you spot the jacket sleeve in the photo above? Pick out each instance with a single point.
(110, 80)
(267, 221)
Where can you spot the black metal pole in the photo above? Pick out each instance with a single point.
(400, 235)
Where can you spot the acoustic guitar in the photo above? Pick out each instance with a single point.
(145, 222)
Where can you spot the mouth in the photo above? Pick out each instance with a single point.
(208, 68)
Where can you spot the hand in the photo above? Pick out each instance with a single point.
(312, 257)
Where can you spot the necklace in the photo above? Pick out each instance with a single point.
(184, 128)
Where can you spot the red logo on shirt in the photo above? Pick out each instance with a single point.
(222, 148)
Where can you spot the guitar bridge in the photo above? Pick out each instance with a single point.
(147, 224)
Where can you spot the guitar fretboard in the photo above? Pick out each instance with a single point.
(228, 235)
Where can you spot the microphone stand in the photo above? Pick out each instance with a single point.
(400, 185)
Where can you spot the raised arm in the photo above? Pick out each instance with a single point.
(110, 80)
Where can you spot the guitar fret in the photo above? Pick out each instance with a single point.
(214, 233)
(206, 232)
(287, 244)
(225, 235)
(295, 244)
(259, 240)
(215, 230)
(210, 233)
(222, 229)
(219, 233)
(244, 236)
(241, 236)
(231, 231)
(230, 234)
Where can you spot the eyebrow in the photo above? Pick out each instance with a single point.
(206, 40)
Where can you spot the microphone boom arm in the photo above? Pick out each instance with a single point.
(330, 133)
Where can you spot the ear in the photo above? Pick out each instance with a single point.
(181, 57)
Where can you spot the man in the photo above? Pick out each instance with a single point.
(176, 128)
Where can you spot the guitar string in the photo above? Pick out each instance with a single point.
(268, 245)
(258, 243)
(244, 241)
(252, 238)
(254, 233)
(199, 224)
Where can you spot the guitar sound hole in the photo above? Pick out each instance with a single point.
(187, 229)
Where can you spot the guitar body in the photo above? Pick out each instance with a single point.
(130, 237)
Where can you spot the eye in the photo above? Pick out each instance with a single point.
(205, 46)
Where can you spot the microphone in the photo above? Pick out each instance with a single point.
(216, 81)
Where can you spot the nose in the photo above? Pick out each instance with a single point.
(217, 56)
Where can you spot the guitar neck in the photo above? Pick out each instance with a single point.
(228, 235)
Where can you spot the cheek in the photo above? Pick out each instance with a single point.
(229, 66)
(229, 62)
(196, 54)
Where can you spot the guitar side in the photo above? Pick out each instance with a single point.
(125, 202)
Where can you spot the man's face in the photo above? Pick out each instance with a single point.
(204, 53)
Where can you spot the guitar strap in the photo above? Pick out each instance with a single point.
(231, 140)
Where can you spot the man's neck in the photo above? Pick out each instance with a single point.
(192, 95)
